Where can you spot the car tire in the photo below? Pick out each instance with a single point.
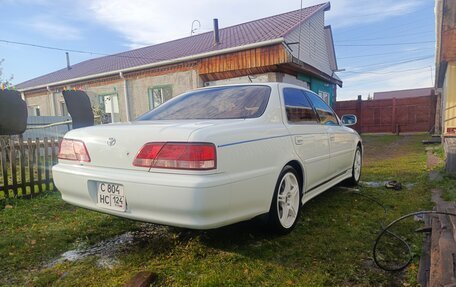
(286, 202)
(356, 168)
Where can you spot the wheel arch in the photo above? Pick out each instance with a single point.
(299, 169)
(360, 145)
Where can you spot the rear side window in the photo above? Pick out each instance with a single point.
(297, 107)
(234, 102)
(325, 113)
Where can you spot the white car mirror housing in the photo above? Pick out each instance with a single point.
(349, 120)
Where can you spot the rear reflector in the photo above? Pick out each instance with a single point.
(198, 156)
(73, 150)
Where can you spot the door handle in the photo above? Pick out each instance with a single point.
(332, 138)
(299, 140)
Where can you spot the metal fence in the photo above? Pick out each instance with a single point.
(47, 126)
(25, 166)
(391, 115)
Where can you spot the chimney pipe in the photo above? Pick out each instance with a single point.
(216, 32)
(68, 60)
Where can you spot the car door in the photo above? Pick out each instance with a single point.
(341, 140)
(310, 139)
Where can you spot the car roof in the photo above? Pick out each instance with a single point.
(270, 84)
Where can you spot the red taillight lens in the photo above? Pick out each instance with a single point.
(200, 156)
(73, 150)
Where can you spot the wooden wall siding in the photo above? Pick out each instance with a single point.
(158, 71)
(250, 59)
(391, 115)
(237, 73)
(314, 49)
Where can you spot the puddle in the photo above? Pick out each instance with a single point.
(108, 250)
(409, 185)
(373, 183)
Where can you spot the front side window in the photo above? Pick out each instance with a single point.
(234, 102)
(297, 107)
(325, 113)
(159, 95)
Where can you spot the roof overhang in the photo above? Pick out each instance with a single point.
(157, 64)
(297, 65)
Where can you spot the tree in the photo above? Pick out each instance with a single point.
(5, 82)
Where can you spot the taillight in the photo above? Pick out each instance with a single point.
(73, 150)
(199, 156)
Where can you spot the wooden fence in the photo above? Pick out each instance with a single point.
(25, 166)
(391, 115)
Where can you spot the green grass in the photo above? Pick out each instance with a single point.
(331, 245)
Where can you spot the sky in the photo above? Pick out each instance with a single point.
(381, 45)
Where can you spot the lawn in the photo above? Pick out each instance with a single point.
(331, 245)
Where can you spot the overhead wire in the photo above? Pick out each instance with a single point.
(381, 54)
(384, 44)
(389, 37)
(77, 51)
(398, 63)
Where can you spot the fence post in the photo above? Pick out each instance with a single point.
(395, 129)
(4, 167)
(359, 111)
(31, 165)
(13, 166)
(54, 143)
(38, 164)
(23, 177)
(46, 163)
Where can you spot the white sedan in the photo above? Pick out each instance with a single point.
(212, 157)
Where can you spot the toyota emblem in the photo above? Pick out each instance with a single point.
(111, 141)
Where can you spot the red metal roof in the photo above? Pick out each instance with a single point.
(256, 31)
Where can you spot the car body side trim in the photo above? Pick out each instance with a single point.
(254, 140)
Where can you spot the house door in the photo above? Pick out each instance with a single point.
(109, 105)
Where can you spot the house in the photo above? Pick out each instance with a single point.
(403, 94)
(294, 47)
(445, 82)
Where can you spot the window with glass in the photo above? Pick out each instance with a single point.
(158, 95)
(324, 96)
(34, 111)
(234, 102)
(325, 113)
(298, 107)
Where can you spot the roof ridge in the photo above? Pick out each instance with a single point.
(323, 5)
(276, 15)
(244, 33)
(235, 25)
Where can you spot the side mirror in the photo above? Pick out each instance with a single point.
(349, 120)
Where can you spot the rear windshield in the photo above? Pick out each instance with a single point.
(234, 102)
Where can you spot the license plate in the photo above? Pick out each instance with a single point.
(111, 196)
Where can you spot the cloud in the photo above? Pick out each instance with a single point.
(53, 28)
(419, 74)
(346, 13)
(143, 22)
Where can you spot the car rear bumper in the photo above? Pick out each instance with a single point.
(191, 201)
